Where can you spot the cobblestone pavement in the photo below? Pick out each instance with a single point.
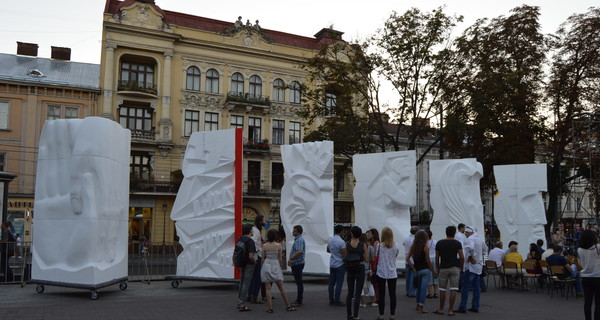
(211, 300)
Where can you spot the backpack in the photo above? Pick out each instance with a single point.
(240, 254)
(353, 259)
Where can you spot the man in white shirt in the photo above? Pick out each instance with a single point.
(460, 237)
(256, 284)
(337, 247)
(475, 247)
(411, 291)
(497, 254)
(549, 251)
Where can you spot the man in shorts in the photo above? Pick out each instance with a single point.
(449, 260)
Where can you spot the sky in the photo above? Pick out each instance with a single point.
(78, 24)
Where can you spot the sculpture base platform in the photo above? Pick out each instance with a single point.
(176, 280)
(92, 287)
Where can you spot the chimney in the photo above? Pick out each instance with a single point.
(60, 53)
(329, 33)
(27, 49)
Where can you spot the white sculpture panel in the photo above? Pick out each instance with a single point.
(81, 202)
(519, 207)
(385, 190)
(307, 199)
(455, 195)
(204, 208)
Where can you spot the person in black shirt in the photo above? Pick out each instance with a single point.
(246, 271)
(449, 260)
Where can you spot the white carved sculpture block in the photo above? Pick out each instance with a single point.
(204, 208)
(81, 202)
(455, 195)
(518, 206)
(385, 190)
(307, 199)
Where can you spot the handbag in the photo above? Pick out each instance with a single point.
(374, 263)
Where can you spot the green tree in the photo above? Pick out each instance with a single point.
(411, 52)
(573, 91)
(495, 94)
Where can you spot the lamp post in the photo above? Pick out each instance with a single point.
(164, 206)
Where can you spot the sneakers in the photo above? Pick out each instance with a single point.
(363, 305)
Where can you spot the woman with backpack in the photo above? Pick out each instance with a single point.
(356, 255)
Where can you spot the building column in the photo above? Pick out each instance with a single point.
(165, 124)
(108, 84)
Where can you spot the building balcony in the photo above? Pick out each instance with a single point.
(137, 88)
(345, 195)
(261, 191)
(257, 146)
(247, 101)
(143, 136)
(152, 186)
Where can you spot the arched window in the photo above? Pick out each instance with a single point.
(237, 83)
(255, 87)
(212, 81)
(192, 79)
(278, 90)
(294, 92)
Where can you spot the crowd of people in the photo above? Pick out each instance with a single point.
(452, 266)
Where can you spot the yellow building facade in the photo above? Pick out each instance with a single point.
(165, 75)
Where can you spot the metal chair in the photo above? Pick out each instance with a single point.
(560, 280)
(511, 270)
(493, 270)
(526, 271)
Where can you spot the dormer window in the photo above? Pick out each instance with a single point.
(35, 73)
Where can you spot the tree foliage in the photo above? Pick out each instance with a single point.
(573, 92)
(411, 52)
(495, 94)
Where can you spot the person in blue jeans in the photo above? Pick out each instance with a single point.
(410, 274)
(337, 247)
(474, 249)
(296, 262)
(417, 259)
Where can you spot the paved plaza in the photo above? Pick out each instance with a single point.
(210, 300)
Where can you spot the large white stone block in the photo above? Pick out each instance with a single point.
(384, 192)
(518, 206)
(455, 195)
(307, 199)
(204, 209)
(81, 202)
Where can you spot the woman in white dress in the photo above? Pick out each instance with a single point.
(271, 270)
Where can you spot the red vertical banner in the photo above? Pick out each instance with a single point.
(238, 200)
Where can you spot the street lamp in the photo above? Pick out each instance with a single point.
(164, 206)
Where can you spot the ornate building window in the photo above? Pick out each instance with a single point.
(237, 122)
(294, 132)
(294, 92)
(254, 127)
(60, 112)
(192, 79)
(212, 81)
(134, 118)
(192, 122)
(137, 75)
(255, 87)
(276, 175)
(278, 131)
(330, 104)
(237, 83)
(3, 115)
(278, 90)
(211, 121)
(140, 166)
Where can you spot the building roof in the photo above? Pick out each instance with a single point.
(49, 71)
(218, 26)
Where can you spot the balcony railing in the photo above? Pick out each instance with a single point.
(142, 135)
(137, 185)
(248, 98)
(262, 145)
(138, 86)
